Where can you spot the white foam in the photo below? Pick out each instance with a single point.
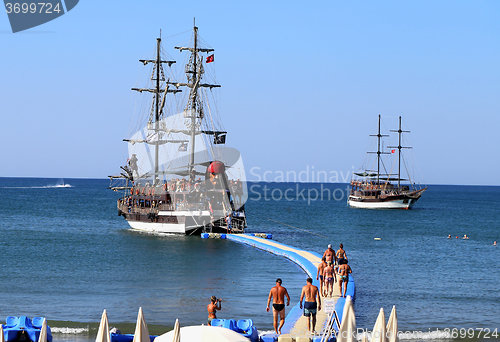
(66, 330)
(63, 186)
(40, 187)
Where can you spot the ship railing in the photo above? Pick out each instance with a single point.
(166, 207)
(162, 207)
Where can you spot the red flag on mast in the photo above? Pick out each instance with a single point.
(210, 58)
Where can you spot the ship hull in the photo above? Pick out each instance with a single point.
(183, 222)
(170, 222)
(389, 202)
(158, 228)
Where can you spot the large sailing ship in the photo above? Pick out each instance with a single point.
(180, 177)
(382, 188)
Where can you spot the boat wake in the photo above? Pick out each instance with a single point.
(60, 186)
(39, 187)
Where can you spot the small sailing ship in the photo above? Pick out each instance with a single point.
(180, 177)
(382, 188)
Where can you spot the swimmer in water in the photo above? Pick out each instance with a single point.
(466, 237)
(215, 304)
(449, 236)
(494, 243)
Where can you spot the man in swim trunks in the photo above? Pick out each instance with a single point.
(319, 275)
(310, 305)
(341, 255)
(329, 277)
(344, 271)
(329, 254)
(215, 304)
(278, 294)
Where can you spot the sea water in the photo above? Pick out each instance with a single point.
(67, 256)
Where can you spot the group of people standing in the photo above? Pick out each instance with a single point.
(333, 264)
(312, 304)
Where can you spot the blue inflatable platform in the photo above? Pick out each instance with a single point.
(24, 329)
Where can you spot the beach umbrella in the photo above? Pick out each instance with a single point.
(392, 326)
(43, 332)
(141, 333)
(2, 337)
(379, 329)
(203, 333)
(103, 332)
(177, 335)
(347, 329)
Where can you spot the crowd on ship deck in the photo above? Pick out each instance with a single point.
(183, 185)
(178, 194)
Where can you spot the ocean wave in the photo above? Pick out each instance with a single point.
(67, 330)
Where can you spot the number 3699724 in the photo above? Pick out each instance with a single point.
(32, 7)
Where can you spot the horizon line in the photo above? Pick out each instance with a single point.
(252, 181)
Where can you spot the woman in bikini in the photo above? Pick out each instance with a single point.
(344, 270)
(341, 256)
(329, 278)
(215, 304)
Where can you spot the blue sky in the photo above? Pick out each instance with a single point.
(302, 83)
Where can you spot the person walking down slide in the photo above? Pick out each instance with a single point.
(312, 303)
(319, 275)
(341, 256)
(329, 278)
(277, 294)
(344, 271)
(330, 255)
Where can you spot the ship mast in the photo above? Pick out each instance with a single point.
(194, 110)
(379, 137)
(399, 147)
(157, 111)
(157, 76)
